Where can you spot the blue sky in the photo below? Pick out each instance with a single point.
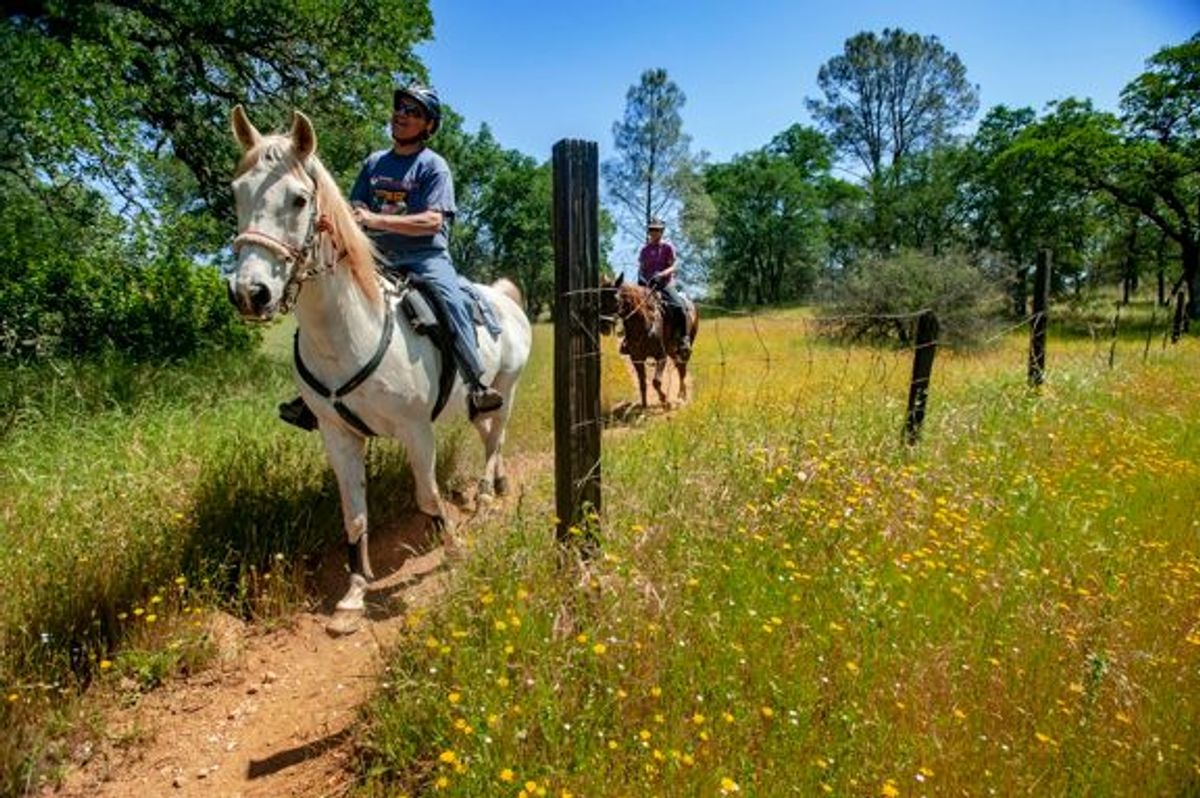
(538, 71)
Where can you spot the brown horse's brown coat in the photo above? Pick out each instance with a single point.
(648, 334)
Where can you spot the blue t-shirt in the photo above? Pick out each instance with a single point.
(394, 184)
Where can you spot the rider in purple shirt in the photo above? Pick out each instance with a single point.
(656, 269)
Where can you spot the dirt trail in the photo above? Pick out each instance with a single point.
(275, 715)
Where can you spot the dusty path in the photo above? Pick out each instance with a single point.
(275, 715)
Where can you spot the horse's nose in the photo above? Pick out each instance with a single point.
(260, 296)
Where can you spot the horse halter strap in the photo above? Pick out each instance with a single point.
(301, 260)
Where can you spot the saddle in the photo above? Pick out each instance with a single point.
(424, 316)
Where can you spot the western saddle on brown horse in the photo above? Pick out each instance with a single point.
(650, 333)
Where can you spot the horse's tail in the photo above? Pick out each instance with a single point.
(510, 290)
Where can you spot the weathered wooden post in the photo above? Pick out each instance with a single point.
(1038, 324)
(576, 338)
(918, 389)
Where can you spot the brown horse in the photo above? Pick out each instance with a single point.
(648, 332)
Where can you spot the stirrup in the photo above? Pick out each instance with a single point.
(485, 400)
(297, 413)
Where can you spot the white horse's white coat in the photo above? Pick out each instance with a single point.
(280, 188)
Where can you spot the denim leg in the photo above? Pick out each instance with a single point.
(438, 274)
(676, 307)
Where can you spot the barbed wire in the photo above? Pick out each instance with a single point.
(862, 379)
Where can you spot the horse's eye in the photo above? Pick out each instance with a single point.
(300, 201)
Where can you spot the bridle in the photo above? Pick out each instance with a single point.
(300, 261)
(611, 318)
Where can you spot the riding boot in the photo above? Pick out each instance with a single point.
(480, 398)
(296, 412)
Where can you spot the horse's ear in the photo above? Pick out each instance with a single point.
(244, 130)
(620, 279)
(304, 138)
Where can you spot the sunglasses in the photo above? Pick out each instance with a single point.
(409, 109)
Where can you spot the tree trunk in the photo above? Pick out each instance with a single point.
(1162, 286)
(1020, 292)
(1191, 265)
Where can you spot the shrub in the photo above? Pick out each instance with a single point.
(876, 300)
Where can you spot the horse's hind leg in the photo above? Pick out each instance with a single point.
(421, 446)
(681, 367)
(492, 428)
(345, 452)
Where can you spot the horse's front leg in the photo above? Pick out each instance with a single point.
(639, 366)
(345, 451)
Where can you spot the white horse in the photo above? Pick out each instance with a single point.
(343, 317)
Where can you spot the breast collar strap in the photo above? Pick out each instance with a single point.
(335, 396)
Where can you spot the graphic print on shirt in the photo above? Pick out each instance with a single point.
(389, 195)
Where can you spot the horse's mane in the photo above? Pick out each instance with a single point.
(360, 252)
(637, 299)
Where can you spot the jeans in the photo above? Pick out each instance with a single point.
(436, 273)
(675, 307)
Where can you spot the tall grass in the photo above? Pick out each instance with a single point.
(789, 602)
(134, 496)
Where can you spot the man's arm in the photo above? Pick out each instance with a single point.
(425, 223)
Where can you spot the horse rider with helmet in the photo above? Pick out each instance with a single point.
(404, 198)
(656, 269)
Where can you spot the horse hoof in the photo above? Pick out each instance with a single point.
(344, 622)
(485, 489)
(501, 486)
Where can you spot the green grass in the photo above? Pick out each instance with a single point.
(134, 496)
(135, 499)
(790, 602)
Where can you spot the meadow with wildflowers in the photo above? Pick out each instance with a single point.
(787, 601)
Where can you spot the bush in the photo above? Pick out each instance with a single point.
(876, 301)
(76, 280)
(163, 309)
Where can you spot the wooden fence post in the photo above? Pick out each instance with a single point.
(576, 338)
(918, 389)
(1041, 300)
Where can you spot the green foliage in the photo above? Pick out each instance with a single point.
(72, 285)
(878, 298)
(1021, 199)
(134, 78)
(888, 96)
(769, 223)
(502, 228)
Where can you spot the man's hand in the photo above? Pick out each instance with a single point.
(364, 217)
